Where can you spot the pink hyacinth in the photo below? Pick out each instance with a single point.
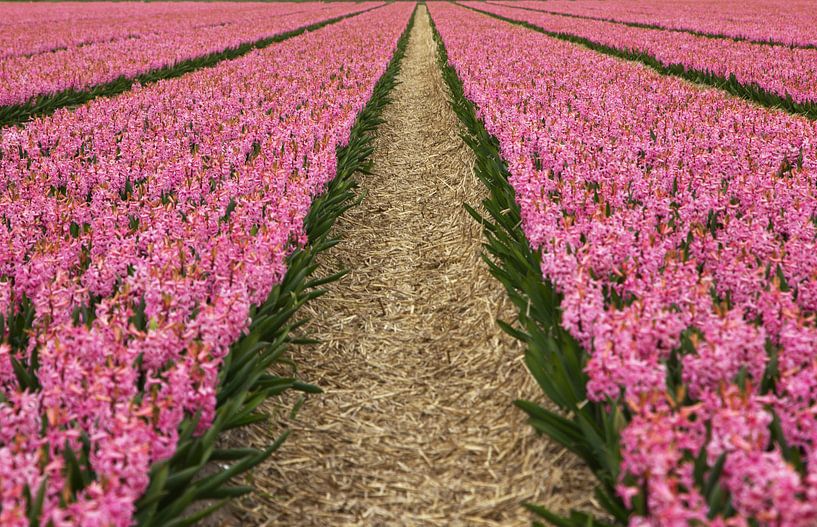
(673, 219)
(178, 202)
(104, 47)
(788, 22)
(779, 69)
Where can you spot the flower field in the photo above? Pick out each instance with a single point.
(170, 179)
(101, 60)
(787, 72)
(33, 29)
(778, 21)
(677, 226)
(139, 232)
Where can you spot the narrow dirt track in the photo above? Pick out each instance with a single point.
(416, 426)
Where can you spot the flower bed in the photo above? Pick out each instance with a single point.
(29, 29)
(674, 228)
(139, 232)
(780, 70)
(23, 78)
(783, 22)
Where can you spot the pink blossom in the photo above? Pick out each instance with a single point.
(167, 212)
(676, 221)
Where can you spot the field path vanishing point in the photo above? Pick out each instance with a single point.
(416, 425)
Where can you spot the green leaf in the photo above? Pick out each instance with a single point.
(35, 509)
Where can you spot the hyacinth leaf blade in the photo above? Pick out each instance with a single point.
(561, 430)
(34, 504)
(198, 516)
(792, 454)
(608, 500)
(512, 331)
(576, 518)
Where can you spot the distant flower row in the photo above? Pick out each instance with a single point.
(780, 70)
(789, 22)
(680, 224)
(141, 229)
(81, 67)
(29, 29)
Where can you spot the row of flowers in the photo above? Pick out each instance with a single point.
(784, 22)
(139, 231)
(679, 226)
(23, 78)
(38, 28)
(781, 70)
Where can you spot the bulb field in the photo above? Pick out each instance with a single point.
(397, 263)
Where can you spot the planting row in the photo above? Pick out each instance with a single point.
(778, 21)
(23, 78)
(136, 233)
(679, 226)
(780, 70)
(28, 29)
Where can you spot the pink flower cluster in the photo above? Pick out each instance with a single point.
(781, 70)
(789, 22)
(678, 221)
(29, 29)
(177, 203)
(23, 77)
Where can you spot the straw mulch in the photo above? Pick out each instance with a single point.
(416, 425)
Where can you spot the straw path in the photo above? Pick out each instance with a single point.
(416, 425)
